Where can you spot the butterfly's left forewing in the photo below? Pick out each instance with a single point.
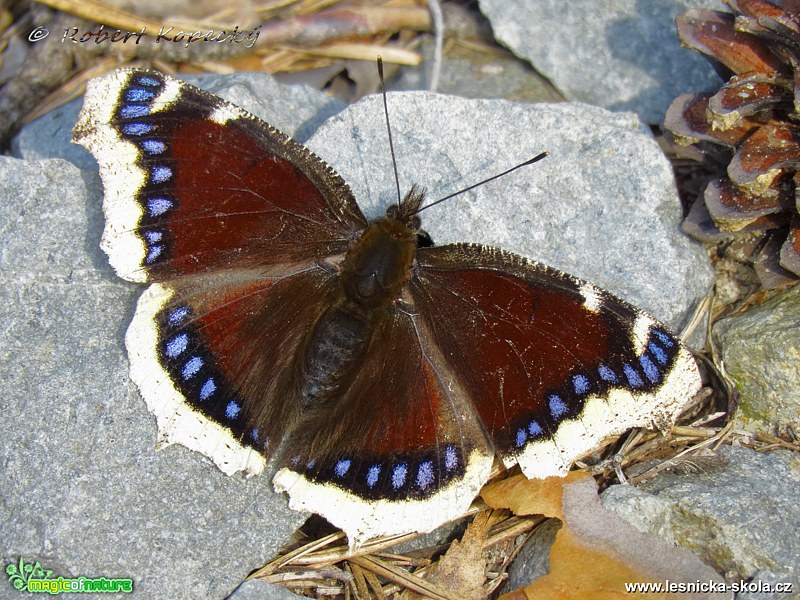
(552, 364)
(194, 184)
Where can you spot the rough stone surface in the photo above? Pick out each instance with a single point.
(602, 206)
(761, 353)
(619, 54)
(533, 560)
(758, 589)
(739, 517)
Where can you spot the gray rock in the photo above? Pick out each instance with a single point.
(477, 73)
(602, 206)
(764, 584)
(740, 517)
(296, 110)
(621, 54)
(533, 560)
(761, 350)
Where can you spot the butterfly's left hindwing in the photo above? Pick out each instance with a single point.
(552, 364)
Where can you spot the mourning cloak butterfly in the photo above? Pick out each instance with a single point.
(383, 377)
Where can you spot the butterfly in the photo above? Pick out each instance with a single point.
(383, 375)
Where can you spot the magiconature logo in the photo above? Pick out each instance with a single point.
(31, 577)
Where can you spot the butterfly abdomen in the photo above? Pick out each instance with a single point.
(372, 276)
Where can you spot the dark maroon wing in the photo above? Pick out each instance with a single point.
(551, 364)
(399, 451)
(194, 183)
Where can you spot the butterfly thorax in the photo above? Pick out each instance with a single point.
(372, 276)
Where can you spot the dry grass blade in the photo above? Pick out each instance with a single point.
(292, 556)
(402, 578)
(353, 51)
(717, 439)
(99, 12)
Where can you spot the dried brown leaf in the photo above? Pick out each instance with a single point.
(525, 496)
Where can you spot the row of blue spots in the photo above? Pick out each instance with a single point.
(534, 430)
(178, 345)
(154, 247)
(426, 475)
(136, 105)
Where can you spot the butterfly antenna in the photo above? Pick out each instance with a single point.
(389, 129)
(530, 161)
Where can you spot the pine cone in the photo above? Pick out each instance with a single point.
(748, 132)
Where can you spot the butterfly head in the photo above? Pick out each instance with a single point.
(406, 211)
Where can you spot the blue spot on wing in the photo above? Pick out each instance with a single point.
(665, 338)
(342, 467)
(580, 384)
(160, 174)
(139, 95)
(158, 206)
(153, 147)
(134, 111)
(372, 475)
(521, 438)
(148, 81)
(658, 352)
(425, 475)
(209, 387)
(191, 368)
(178, 315)
(153, 254)
(649, 368)
(233, 409)
(557, 406)
(177, 345)
(399, 475)
(632, 376)
(606, 374)
(450, 458)
(137, 129)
